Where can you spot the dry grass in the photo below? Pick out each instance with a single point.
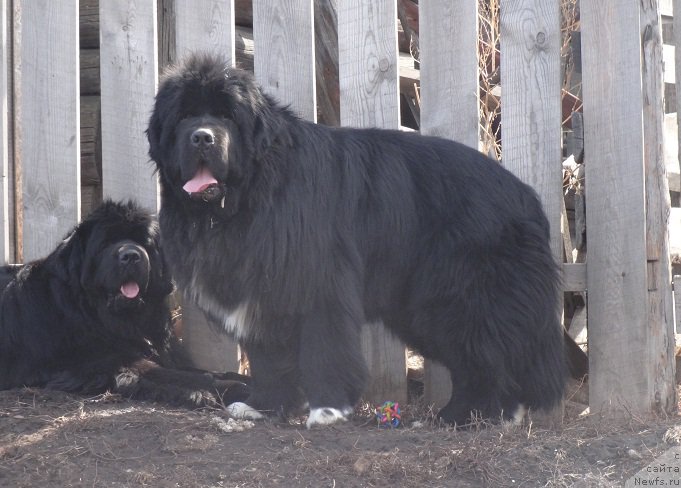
(56, 439)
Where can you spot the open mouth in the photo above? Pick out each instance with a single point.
(203, 186)
(130, 290)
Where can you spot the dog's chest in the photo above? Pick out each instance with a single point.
(239, 321)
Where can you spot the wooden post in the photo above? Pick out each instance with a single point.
(48, 139)
(283, 32)
(4, 136)
(448, 43)
(621, 329)
(677, 65)
(661, 341)
(129, 75)
(204, 25)
(368, 79)
(530, 77)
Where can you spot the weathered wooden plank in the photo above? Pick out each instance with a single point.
(677, 69)
(368, 78)
(574, 277)
(205, 25)
(448, 44)
(128, 80)
(530, 74)
(283, 32)
(4, 136)
(367, 58)
(660, 333)
(48, 105)
(89, 24)
(613, 141)
(677, 305)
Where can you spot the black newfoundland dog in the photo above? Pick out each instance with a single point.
(93, 316)
(292, 235)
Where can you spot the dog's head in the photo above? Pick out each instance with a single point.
(114, 257)
(210, 125)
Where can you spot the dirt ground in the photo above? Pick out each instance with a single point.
(52, 439)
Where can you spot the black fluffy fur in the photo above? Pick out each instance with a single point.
(324, 229)
(64, 323)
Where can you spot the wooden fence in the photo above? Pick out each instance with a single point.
(631, 334)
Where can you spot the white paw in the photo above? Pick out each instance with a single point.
(327, 416)
(239, 410)
(519, 414)
(517, 417)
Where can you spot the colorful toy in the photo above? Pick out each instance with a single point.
(388, 414)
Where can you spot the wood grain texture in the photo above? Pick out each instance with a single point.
(367, 58)
(283, 32)
(48, 141)
(368, 79)
(531, 117)
(661, 362)
(204, 25)
(4, 136)
(128, 80)
(448, 43)
(574, 277)
(677, 68)
(613, 145)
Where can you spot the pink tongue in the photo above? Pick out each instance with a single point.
(201, 180)
(130, 289)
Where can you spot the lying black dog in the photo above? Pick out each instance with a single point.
(93, 316)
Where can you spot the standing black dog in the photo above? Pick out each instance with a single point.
(93, 316)
(293, 235)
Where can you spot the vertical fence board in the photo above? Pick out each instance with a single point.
(206, 25)
(48, 102)
(677, 68)
(4, 136)
(531, 110)
(613, 145)
(128, 54)
(367, 58)
(284, 62)
(448, 44)
(368, 78)
(660, 362)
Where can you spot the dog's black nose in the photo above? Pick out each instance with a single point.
(129, 255)
(202, 138)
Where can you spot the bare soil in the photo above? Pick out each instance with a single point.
(54, 439)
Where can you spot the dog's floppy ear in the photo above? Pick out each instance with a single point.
(164, 114)
(270, 126)
(68, 258)
(155, 130)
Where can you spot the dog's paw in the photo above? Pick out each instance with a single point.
(241, 411)
(327, 416)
